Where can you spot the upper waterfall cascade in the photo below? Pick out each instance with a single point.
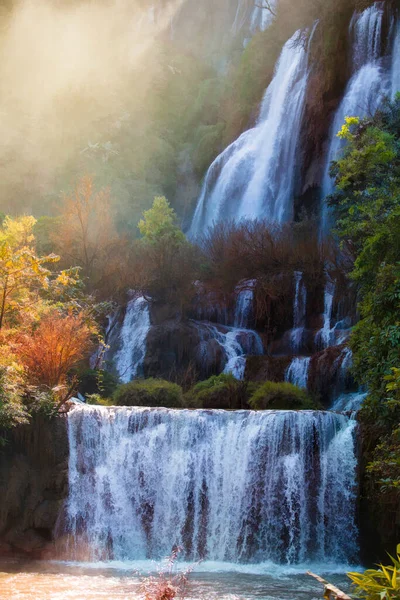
(227, 486)
(367, 87)
(254, 176)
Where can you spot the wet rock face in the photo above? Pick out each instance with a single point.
(33, 486)
(175, 346)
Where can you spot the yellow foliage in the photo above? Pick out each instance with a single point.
(345, 132)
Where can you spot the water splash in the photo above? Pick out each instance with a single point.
(254, 176)
(227, 486)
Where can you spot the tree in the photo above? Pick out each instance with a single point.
(366, 204)
(160, 222)
(22, 273)
(367, 209)
(165, 264)
(54, 347)
(86, 237)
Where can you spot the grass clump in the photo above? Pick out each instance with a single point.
(149, 392)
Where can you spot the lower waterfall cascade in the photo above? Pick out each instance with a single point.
(238, 486)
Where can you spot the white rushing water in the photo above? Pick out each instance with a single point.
(236, 486)
(244, 303)
(323, 337)
(349, 402)
(297, 371)
(299, 312)
(365, 90)
(133, 334)
(235, 343)
(254, 176)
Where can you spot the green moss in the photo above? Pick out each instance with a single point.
(149, 392)
(280, 396)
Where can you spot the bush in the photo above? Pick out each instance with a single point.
(220, 391)
(149, 392)
(97, 400)
(280, 396)
(99, 382)
(379, 584)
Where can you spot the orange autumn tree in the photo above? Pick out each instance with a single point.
(86, 237)
(57, 344)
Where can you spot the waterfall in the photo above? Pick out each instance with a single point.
(129, 358)
(254, 176)
(323, 337)
(395, 75)
(244, 303)
(350, 402)
(297, 371)
(262, 17)
(228, 486)
(365, 89)
(299, 312)
(366, 32)
(236, 345)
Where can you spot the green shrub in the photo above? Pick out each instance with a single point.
(379, 584)
(280, 396)
(219, 391)
(98, 400)
(149, 392)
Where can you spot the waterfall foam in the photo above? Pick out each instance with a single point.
(236, 486)
(254, 176)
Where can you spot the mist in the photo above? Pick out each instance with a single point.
(69, 75)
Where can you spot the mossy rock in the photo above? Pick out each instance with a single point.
(280, 396)
(149, 392)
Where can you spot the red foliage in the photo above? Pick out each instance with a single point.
(54, 347)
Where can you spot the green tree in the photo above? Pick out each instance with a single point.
(367, 209)
(160, 222)
(165, 264)
(366, 205)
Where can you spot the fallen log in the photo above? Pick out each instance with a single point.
(331, 592)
